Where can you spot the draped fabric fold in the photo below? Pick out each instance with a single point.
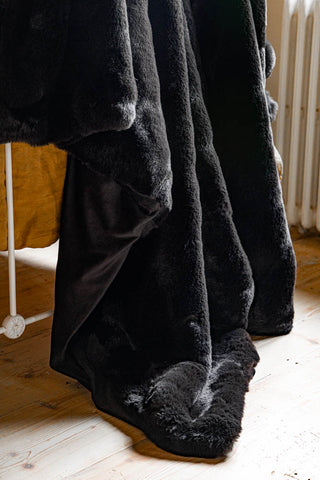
(173, 239)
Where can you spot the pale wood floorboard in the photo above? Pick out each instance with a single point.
(50, 429)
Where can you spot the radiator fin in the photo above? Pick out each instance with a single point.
(298, 128)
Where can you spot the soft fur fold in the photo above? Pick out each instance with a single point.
(173, 238)
(65, 70)
(248, 161)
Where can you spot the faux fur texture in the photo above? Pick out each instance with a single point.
(56, 59)
(238, 107)
(173, 239)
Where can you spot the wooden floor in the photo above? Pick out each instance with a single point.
(50, 429)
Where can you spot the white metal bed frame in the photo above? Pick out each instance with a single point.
(14, 324)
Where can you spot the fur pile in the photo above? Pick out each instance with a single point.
(174, 244)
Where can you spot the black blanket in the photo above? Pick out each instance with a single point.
(174, 245)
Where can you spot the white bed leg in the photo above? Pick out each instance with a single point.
(13, 325)
(11, 251)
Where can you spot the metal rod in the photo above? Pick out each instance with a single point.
(40, 316)
(11, 249)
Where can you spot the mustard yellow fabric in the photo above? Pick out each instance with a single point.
(38, 179)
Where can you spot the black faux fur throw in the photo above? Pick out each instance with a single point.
(174, 245)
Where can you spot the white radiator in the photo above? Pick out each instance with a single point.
(298, 127)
